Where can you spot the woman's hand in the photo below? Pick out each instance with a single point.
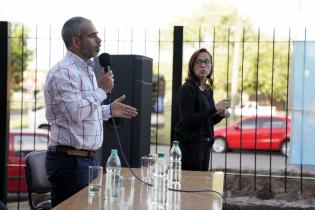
(222, 107)
(226, 114)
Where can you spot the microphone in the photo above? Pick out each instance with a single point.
(105, 61)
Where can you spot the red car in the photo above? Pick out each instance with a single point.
(20, 144)
(229, 137)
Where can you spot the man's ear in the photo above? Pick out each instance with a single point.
(75, 42)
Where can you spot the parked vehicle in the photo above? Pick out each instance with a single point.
(37, 119)
(246, 135)
(250, 109)
(20, 144)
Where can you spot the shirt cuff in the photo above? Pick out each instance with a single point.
(100, 95)
(106, 112)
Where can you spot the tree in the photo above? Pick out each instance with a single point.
(215, 26)
(21, 55)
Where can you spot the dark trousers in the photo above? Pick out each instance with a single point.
(195, 156)
(67, 174)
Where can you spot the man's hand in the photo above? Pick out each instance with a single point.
(122, 110)
(106, 81)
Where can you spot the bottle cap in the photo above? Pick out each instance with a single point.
(114, 151)
(161, 154)
(175, 143)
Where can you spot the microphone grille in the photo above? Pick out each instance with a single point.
(105, 60)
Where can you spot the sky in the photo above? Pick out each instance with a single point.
(114, 12)
(271, 13)
(265, 14)
(294, 14)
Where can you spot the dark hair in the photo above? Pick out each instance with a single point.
(72, 28)
(191, 75)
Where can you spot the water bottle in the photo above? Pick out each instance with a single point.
(160, 181)
(175, 164)
(113, 167)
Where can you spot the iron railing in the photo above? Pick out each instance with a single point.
(170, 53)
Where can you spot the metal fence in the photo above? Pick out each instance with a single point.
(250, 67)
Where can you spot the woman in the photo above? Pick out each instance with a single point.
(198, 113)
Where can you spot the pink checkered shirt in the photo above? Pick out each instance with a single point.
(73, 104)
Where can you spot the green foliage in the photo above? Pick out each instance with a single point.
(220, 28)
(20, 55)
(272, 69)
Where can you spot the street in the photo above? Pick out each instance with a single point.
(245, 161)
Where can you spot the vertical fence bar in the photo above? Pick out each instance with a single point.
(213, 59)
(36, 70)
(225, 153)
(257, 68)
(35, 93)
(22, 39)
(131, 39)
(118, 41)
(301, 167)
(50, 40)
(104, 39)
(271, 103)
(211, 150)
(5, 59)
(213, 49)
(287, 113)
(242, 89)
(227, 94)
(178, 40)
(227, 69)
(145, 41)
(199, 38)
(157, 93)
(49, 66)
(227, 91)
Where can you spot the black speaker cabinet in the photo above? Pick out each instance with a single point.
(133, 77)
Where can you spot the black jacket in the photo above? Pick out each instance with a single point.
(197, 113)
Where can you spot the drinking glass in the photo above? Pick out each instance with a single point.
(95, 180)
(147, 163)
(125, 192)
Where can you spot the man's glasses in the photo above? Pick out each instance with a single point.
(207, 62)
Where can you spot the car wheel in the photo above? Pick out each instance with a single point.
(219, 145)
(285, 148)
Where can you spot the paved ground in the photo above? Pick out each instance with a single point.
(22, 206)
(246, 160)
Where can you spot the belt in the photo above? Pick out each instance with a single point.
(67, 150)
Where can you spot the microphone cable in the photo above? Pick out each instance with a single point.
(139, 179)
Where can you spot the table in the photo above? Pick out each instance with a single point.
(183, 200)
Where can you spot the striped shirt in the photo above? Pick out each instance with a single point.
(73, 104)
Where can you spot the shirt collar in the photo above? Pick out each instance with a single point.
(79, 60)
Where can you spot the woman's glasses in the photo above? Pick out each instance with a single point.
(207, 62)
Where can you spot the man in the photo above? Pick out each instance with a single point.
(73, 100)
